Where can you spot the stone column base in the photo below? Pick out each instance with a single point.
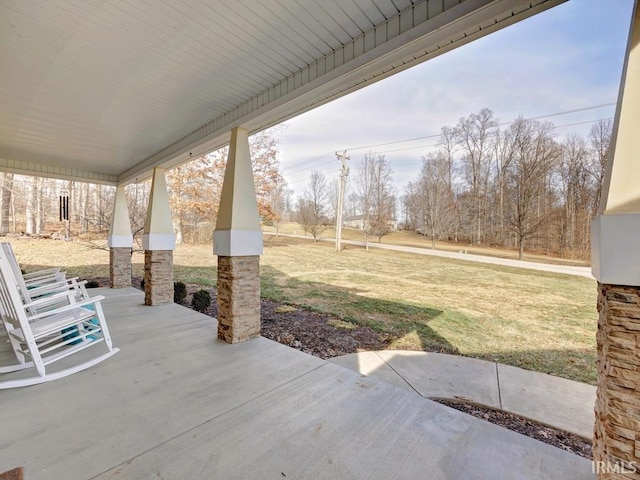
(238, 298)
(120, 267)
(158, 277)
(616, 443)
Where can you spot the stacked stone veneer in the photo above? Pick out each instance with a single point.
(238, 298)
(158, 277)
(120, 267)
(617, 430)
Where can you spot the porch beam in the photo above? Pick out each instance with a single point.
(50, 171)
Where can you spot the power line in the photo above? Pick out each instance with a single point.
(417, 162)
(594, 107)
(398, 149)
(582, 123)
(549, 115)
(304, 164)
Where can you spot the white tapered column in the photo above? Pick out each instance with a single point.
(238, 245)
(120, 242)
(158, 242)
(615, 252)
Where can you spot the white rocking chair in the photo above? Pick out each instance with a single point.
(44, 283)
(33, 279)
(39, 340)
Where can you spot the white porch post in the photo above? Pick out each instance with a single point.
(158, 242)
(238, 245)
(615, 247)
(120, 242)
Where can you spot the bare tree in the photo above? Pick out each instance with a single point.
(411, 206)
(373, 184)
(437, 213)
(332, 196)
(32, 204)
(383, 206)
(195, 187)
(312, 205)
(448, 148)
(39, 210)
(351, 204)
(504, 153)
(599, 139)
(534, 152)
(575, 181)
(6, 200)
(32, 199)
(363, 184)
(280, 202)
(475, 135)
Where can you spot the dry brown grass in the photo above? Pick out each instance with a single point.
(413, 239)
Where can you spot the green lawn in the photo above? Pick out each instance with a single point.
(534, 320)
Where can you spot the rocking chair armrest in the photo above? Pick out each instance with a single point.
(42, 281)
(41, 275)
(44, 271)
(90, 300)
(66, 308)
(38, 281)
(44, 289)
(73, 282)
(49, 298)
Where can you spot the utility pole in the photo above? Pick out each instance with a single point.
(344, 173)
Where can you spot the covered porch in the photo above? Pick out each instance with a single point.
(177, 403)
(102, 94)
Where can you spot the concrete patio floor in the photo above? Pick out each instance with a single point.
(555, 401)
(176, 403)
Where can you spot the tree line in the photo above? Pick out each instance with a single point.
(195, 188)
(31, 205)
(371, 200)
(514, 186)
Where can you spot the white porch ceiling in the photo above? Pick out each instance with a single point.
(103, 90)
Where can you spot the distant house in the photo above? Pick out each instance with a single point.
(354, 221)
(358, 221)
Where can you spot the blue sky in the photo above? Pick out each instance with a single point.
(567, 58)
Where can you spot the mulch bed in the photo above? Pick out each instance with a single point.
(313, 333)
(299, 328)
(553, 436)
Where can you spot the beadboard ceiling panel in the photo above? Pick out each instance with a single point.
(104, 90)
